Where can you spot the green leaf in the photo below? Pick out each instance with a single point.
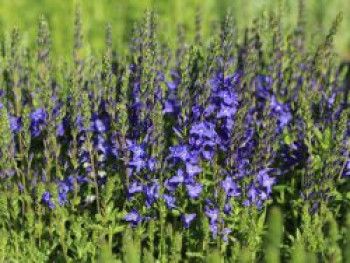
(287, 138)
(318, 134)
(118, 229)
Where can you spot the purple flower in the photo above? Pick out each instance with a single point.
(192, 169)
(133, 217)
(99, 126)
(266, 181)
(178, 178)
(180, 151)
(282, 111)
(226, 232)
(208, 154)
(229, 98)
(20, 187)
(170, 106)
(171, 85)
(213, 227)
(226, 111)
(172, 183)
(209, 110)
(15, 124)
(138, 164)
(38, 118)
(135, 187)
(347, 169)
(79, 123)
(102, 145)
(253, 193)
(194, 190)
(187, 219)
(203, 129)
(263, 195)
(138, 150)
(60, 129)
(152, 193)
(230, 187)
(213, 214)
(227, 208)
(39, 115)
(46, 199)
(62, 193)
(151, 164)
(169, 200)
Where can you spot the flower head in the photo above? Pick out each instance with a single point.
(133, 217)
(187, 219)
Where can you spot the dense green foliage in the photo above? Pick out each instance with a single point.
(220, 145)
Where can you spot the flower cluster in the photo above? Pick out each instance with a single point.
(203, 139)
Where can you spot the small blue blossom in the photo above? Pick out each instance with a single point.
(15, 123)
(133, 217)
(46, 199)
(194, 190)
(187, 219)
(193, 169)
(230, 187)
(170, 201)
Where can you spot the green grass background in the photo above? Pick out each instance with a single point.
(123, 13)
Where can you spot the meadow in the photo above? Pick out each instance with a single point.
(124, 14)
(174, 132)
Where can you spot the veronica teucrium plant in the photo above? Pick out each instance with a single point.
(175, 151)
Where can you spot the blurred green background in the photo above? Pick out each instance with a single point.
(123, 13)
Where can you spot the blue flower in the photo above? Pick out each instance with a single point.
(213, 227)
(282, 112)
(133, 217)
(194, 190)
(46, 199)
(226, 232)
(170, 106)
(170, 201)
(152, 164)
(227, 208)
(15, 123)
(39, 115)
(209, 110)
(230, 187)
(226, 111)
(138, 164)
(171, 85)
(152, 193)
(187, 219)
(60, 129)
(179, 151)
(266, 181)
(172, 183)
(193, 169)
(203, 129)
(99, 126)
(38, 118)
(135, 187)
(253, 193)
(62, 193)
(138, 150)
(229, 98)
(347, 169)
(213, 214)
(102, 145)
